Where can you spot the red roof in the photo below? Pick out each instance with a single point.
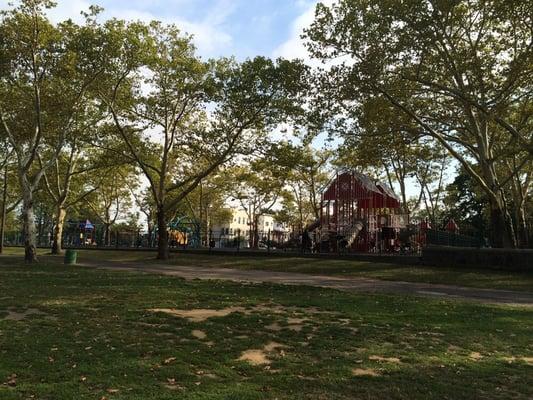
(361, 188)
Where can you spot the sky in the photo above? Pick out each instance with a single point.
(240, 28)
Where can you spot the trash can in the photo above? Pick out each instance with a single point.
(70, 257)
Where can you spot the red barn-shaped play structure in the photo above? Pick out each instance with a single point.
(360, 213)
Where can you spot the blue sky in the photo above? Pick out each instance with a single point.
(243, 28)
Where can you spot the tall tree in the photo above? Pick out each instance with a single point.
(258, 185)
(442, 65)
(308, 177)
(45, 76)
(10, 195)
(111, 200)
(167, 128)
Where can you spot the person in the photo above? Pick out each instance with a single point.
(306, 242)
(343, 244)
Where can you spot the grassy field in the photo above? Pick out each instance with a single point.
(451, 276)
(74, 333)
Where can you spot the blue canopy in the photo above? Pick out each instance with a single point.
(87, 225)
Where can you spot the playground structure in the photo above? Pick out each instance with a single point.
(359, 214)
(184, 231)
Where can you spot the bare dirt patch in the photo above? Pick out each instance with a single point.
(261, 356)
(255, 357)
(13, 315)
(200, 314)
(274, 327)
(393, 360)
(199, 334)
(527, 360)
(453, 349)
(365, 372)
(295, 320)
(475, 356)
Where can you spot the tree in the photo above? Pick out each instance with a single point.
(45, 76)
(466, 205)
(207, 204)
(191, 141)
(145, 204)
(441, 65)
(112, 197)
(381, 142)
(307, 179)
(259, 184)
(76, 173)
(10, 195)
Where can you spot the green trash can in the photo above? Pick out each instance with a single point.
(70, 257)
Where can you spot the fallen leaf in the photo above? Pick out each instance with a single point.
(12, 380)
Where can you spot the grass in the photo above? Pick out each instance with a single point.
(89, 334)
(487, 279)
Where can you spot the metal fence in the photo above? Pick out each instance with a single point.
(408, 240)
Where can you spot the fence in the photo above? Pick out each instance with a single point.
(410, 240)
(444, 238)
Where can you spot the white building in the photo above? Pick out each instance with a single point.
(239, 227)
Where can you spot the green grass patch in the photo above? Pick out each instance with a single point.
(69, 332)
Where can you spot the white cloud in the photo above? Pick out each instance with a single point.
(294, 47)
(210, 37)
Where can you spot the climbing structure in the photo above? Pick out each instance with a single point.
(359, 213)
(183, 231)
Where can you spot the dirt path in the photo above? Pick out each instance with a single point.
(489, 296)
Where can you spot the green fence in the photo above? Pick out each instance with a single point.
(444, 238)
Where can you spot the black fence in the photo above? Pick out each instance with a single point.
(410, 240)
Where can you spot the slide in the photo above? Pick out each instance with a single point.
(352, 232)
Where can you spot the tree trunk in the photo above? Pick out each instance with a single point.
(255, 244)
(28, 230)
(150, 233)
(501, 224)
(162, 242)
(522, 231)
(57, 244)
(4, 206)
(107, 234)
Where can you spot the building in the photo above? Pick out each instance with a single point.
(237, 230)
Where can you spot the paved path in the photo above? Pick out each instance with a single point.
(333, 282)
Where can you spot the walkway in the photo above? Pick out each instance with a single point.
(489, 296)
